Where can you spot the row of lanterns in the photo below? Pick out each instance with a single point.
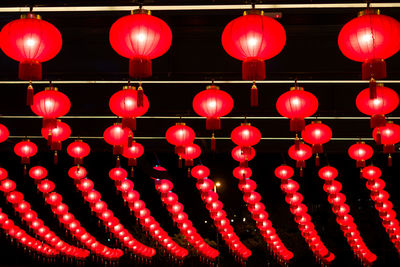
(217, 213)
(66, 218)
(138, 207)
(35, 224)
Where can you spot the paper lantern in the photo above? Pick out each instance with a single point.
(284, 172)
(77, 173)
(301, 155)
(242, 173)
(55, 135)
(132, 153)
(180, 136)
(38, 172)
(140, 37)
(371, 173)
(243, 155)
(200, 172)
(360, 152)
(246, 136)
(26, 150)
(191, 152)
(3, 133)
(388, 136)
(78, 150)
(316, 134)
(296, 105)
(118, 137)
(328, 173)
(117, 174)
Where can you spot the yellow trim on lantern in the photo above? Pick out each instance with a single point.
(245, 124)
(296, 88)
(140, 11)
(30, 16)
(212, 86)
(253, 12)
(369, 11)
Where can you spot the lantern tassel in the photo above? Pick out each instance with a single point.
(140, 96)
(25, 171)
(189, 174)
(213, 145)
(372, 89)
(317, 160)
(254, 95)
(390, 160)
(49, 138)
(29, 94)
(132, 172)
(378, 137)
(301, 172)
(297, 143)
(130, 140)
(361, 173)
(118, 162)
(55, 157)
(180, 162)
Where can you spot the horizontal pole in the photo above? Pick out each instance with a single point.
(207, 82)
(197, 138)
(193, 117)
(195, 7)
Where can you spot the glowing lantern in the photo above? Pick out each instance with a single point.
(55, 135)
(371, 173)
(242, 173)
(200, 172)
(180, 136)
(31, 41)
(284, 172)
(26, 150)
(7, 185)
(300, 155)
(192, 152)
(129, 104)
(117, 174)
(78, 150)
(77, 173)
(3, 133)
(388, 136)
(328, 173)
(243, 155)
(132, 153)
(316, 134)
(253, 38)
(38, 172)
(246, 136)
(118, 137)
(370, 39)
(360, 152)
(50, 104)
(385, 102)
(140, 37)
(46, 186)
(297, 104)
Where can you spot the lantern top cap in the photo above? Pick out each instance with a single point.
(253, 12)
(212, 86)
(141, 11)
(30, 16)
(361, 142)
(316, 122)
(369, 11)
(180, 123)
(117, 123)
(296, 88)
(51, 88)
(245, 124)
(128, 87)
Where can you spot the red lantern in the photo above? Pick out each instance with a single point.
(316, 134)
(118, 137)
(7, 185)
(31, 41)
(140, 37)
(192, 152)
(77, 173)
(300, 155)
(132, 153)
(385, 102)
(180, 136)
(3, 133)
(46, 186)
(3, 174)
(328, 173)
(388, 136)
(200, 172)
(253, 38)
(129, 104)
(360, 152)
(55, 135)
(246, 136)
(284, 172)
(297, 104)
(370, 39)
(243, 155)
(117, 174)
(371, 172)
(78, 150)
(26, 150)
(38, 172)
(50, 104)
(242, 173)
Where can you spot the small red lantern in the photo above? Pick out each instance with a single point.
(78, 150)
(300, 155)
(253, 38)
(243, 155)
(371, 173)
(246, 136)
(132, 153)
(55, 135)
(38, 173)
(297, 104)
(242, 173)
(386, 101)
(180, 136)
(77, 173)
(284, 172)
(25, 149)
(316, 134)
(200, 172)
(388, 136)
(140, 37)
(118, 137)
(117, 174)
(370, 39)
(192, 152)
(50, 104)
(129, 104)
(3, 174)
(46, 186)
(3, 133)
(360, 152)
(328, 173)
(31, 41)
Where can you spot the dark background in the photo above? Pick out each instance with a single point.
(310, 53)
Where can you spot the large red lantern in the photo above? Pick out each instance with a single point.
(55, 135)
(388, 136)
(370, 39)
(386, 101)
(360, 152)
(25, 149)
(297, 104)
(300, 155)
(190, 153)
(31, 41)
(50, 104)
(246, 135)
(78, 150)
(140, 37)
(129, 104)
(253, 38)
(180, 136)
(118, 137)
(4, 133)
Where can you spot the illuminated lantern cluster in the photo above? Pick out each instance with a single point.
(4, 133)
(25, 240)
(212, 103)
(303, 153)
(175, 209)
(78, 150)
(99, 207)
(67, 219)
(215, 207)
(140, 37)
(370, 38)
(132, 153)
(388, 136)
(316, 134)
(36, 225)
(253, 38)
(180, 135)
(382, 204)
(118, 137)
(55, 135)
(31, 41)
(301, 217)
(138, 207)
(343, 218)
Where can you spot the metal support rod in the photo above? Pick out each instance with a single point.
(196, 7)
